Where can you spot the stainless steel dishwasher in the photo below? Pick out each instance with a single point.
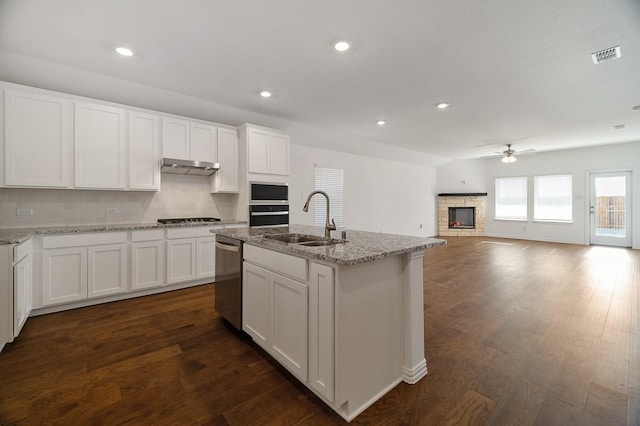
(228, 285)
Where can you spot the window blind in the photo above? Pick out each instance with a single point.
(330, 181)
(552, 198)
(511, 198)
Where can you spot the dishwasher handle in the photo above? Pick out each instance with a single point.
(227, 247)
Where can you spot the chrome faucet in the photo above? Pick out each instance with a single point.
(329, 226)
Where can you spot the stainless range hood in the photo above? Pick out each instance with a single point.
(188, 167)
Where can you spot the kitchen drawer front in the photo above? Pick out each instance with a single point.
(293, 266)
(191, 232)
(22, 249)
(77, 240)
(147, 235)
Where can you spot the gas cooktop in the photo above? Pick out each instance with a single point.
(189, 220)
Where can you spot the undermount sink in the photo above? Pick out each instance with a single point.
(304, 239)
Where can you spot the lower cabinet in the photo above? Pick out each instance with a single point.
(191, 254)
(22, 285)
(147, 259)
(276, 314)
(288, 308)
(74, 267)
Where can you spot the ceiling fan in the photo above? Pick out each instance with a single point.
(509, 155)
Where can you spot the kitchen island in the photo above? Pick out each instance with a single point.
(346, 319)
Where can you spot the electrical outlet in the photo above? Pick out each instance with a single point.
(111, 210)
(24, 212)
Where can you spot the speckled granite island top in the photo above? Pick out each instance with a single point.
(18, 235)
(360, 246)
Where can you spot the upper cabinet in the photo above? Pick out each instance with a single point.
(267, 151)
(38, 140)
(226, 178)
(186, 140)
(100, 146)
(144, 153)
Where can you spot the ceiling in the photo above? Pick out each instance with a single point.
(513, 71)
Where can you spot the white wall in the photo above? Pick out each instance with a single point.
(577, 162)
(379, 195)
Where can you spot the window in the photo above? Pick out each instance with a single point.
(552, 198)
(511, 198)
(331, 182)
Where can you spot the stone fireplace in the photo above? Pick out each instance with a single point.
(461, 215)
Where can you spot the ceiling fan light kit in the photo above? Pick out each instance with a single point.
(508, 159)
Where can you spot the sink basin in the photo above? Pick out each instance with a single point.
(294, 238)
(304, 239)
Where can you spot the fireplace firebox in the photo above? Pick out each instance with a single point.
(462, 217)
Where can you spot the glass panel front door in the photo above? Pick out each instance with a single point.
(610, 207)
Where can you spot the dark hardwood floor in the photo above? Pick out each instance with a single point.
(516, 332)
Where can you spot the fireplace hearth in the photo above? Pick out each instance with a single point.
(462, 218)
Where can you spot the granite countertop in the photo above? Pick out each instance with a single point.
(18, 235)
(360, 246)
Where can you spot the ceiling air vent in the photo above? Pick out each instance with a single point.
(606, 55)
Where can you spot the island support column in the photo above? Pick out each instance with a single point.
(414, 363)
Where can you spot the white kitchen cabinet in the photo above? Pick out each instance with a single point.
(255, 303)
(181, 260)
(226, 178)
(267, 151)
(289, 316)
(81, 266)
(144, 149)
(321, 330)
(188, 140)
(64, 275)
(147, 259)
(22, 285)
(175, 138)
(107, 270)
(38, 138)
(206, 257)
(100, 146)
(276, 307)
(203, 142)
(191, 254)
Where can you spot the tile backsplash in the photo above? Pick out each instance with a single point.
(181, 196)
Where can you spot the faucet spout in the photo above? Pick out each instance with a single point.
(330, 225)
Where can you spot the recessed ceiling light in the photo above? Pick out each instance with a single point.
(442, 105)
(124, 51)
(381, 122)
(265, 94)
(342, 45)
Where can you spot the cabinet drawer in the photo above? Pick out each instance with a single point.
(286, 264)
(22, 249)
(147, 235)
(77, 240)
(192, 232)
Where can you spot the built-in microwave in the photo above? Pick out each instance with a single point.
(268, 193)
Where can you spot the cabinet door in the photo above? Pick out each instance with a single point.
(257, 151)
(279, 154)
(289, 324)
(255, 303)
(321, 331)
(38, 140)
(147, 264)
(181, 260)
(23, 282)
(107, 269)
(206, 257)
(64, 275)
(175, 138)
(204, 143)
(100, 150)
(144, 161)
(226, 178)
